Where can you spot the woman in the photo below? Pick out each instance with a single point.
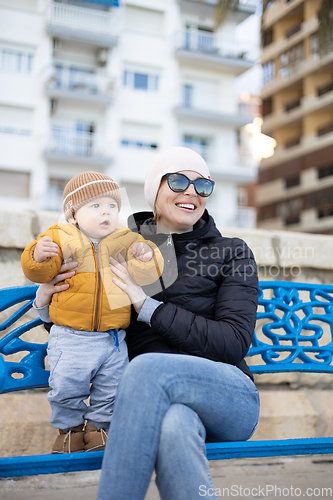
(188, 382)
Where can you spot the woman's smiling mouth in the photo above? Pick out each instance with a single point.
(188, 206)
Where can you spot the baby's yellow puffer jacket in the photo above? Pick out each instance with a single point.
(92, 302)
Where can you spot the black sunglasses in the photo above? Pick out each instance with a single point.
(179, 183)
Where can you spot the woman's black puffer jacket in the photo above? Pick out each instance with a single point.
(209, 308)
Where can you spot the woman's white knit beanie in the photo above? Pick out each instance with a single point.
(173, 160)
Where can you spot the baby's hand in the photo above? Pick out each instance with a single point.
(142, 251)
(45, 248)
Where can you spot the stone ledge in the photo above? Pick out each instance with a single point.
(271, 247)
(25, 427)
(287, 248)
(286, 414)
(18, 229)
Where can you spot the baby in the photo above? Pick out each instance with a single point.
(87, 353)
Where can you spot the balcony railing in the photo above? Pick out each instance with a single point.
(73, 143)
(295, 103)
(80, 81)
(292, 142)
(324, 89)
(325, 130)
(83, 19)
(240, 157)
(211, 44)
(293, 30)
(242, 3)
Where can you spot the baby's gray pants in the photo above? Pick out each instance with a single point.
(84, 364)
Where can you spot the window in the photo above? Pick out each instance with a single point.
(14, 131)
(242, 196)
(144, 20)
(267, 106)
(292, 181)
(14, 184)
(80, 78)
(55, 191)
(267, 37)
(74, 78)
(187, 95)
(291, 59)
(325, 171)
(325, 130)
(140, 81)
(268, 72)
(292, 142)
(15, 61)
(314, 48)
(198, 144)
(15, 120)
(127, 143)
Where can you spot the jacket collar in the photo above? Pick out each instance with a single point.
(143, 222)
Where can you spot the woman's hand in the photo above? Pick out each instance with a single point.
(46, 290)
(133, 290)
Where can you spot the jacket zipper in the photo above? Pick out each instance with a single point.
(98, 286)
(169, 244)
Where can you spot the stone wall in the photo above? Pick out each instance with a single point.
(292, 405)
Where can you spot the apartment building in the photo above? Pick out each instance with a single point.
(296, 184)
(106, 84)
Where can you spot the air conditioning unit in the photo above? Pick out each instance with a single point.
(102, 57)
(56, 44)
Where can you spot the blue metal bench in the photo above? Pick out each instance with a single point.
(294, 334)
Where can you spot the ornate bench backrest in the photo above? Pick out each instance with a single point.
(294, 328)
(29, 372)
(293, 333)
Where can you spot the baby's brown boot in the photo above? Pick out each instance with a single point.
(69, 442)
(94, 439)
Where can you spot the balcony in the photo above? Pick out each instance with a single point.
(308, 104)
(308, 144)
(207, 50)
(243, 4)
(188, 110)
(90, 26)
(292, 31)
(293, 142)
(238, 165)
(294, 73)
(295, 103)
(201, 116)
(71, 146)
(75, 84)
(325, 130)
(206, 8)
(278, 9)
(324, 89)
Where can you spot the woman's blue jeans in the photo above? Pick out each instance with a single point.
(166, 406)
